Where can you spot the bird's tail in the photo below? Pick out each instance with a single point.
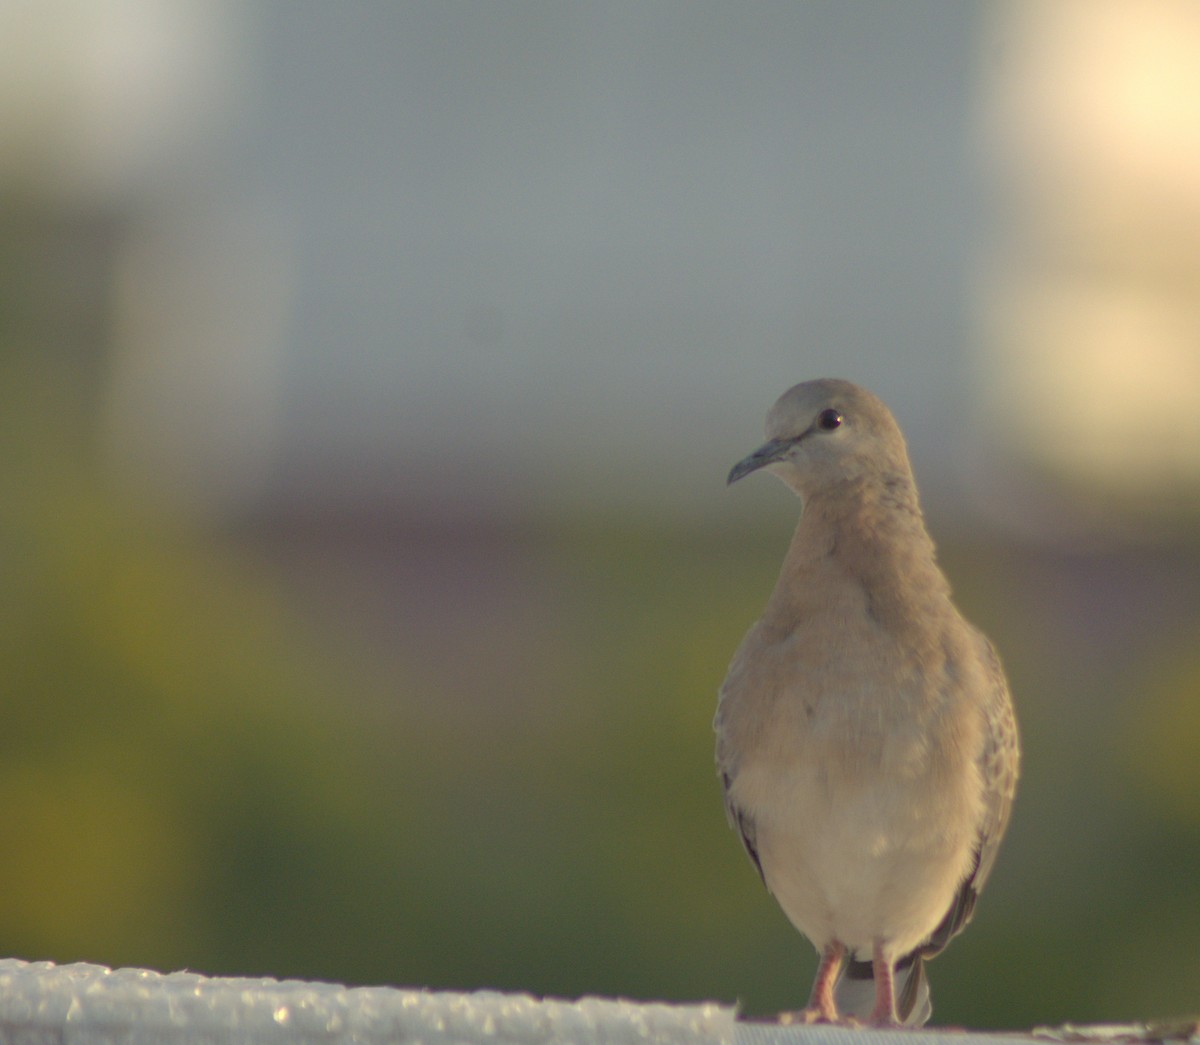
(856, 990)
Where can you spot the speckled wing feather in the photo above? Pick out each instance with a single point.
(745, 826)
(999, 767)
(738, 817)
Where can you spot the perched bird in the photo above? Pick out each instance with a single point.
(865, 734)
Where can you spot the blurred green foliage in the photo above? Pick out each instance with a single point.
(201, 769)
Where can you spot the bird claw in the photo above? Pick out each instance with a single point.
(808, 1017)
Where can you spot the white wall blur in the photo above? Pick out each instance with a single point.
(1093, 346)
(534, 255)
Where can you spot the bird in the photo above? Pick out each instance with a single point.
(866, 741)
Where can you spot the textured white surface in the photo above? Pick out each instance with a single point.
(46, 1004)
(42, 1002)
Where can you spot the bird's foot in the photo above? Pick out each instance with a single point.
(807, 1017)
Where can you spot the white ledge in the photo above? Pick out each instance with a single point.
(78, 1004)
(43, 1003)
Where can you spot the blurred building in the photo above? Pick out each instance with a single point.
(526, 258)
(1091, 374)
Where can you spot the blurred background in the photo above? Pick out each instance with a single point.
(369, 374)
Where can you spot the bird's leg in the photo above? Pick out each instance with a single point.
(822, 1008)
(884, 1012)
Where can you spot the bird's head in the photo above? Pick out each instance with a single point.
(823, 433)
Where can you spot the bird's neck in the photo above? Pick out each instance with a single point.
(871, 535)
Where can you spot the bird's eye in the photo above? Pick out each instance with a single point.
(829, 420)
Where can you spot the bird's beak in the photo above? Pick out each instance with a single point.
(768, 453)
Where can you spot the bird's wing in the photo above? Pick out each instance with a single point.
(999, 765)
(727, 763)
(740, 819)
